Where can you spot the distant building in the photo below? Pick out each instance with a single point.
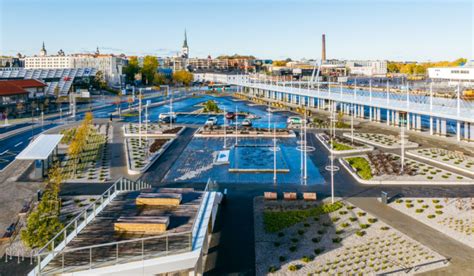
(463, 73)
(11, 62)
(110, 65)
(369, 68)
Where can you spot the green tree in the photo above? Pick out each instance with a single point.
(159, 79)
(43, 223)
(150, 64)
(99, 80)
(131, 69)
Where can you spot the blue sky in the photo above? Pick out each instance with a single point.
(355, 29)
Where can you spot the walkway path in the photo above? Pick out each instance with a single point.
(462, 256)
(158, 170)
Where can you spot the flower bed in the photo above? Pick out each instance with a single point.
(141, 156)
(345, 241)
(342, 145)
(385, 168)
(154, 130)
(452, 216)
(218, 131)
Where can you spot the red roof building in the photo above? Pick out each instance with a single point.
(9, 89)
(18, 91)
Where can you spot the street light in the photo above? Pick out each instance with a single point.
(402, 137)
(332, 168)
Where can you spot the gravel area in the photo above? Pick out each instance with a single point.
(347, 241)
(381, 140)
(451, 216)
(457, 160)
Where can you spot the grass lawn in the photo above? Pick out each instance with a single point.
(362, 166)
(340, 146)
(275, 221)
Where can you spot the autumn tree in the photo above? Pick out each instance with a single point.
(150, 64)
(183, 77)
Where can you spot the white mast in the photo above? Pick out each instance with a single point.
(225, 130)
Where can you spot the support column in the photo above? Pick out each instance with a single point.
(370, 113)
(379, 115)
(458, 131)
(408, 121)
(443, 127)
(397, 118)
(438, 126)
(466, 131)
(471, 132)
(388, 117)
(431, 125)
(418, 123)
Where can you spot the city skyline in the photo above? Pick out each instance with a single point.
(354, 29)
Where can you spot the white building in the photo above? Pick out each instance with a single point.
(462, 74)
(110, 65)
(219, 77)
(367, 67)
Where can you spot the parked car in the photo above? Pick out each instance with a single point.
(294, 120)
(212, 121)
(247, 123)
(167, 118)
(230, 115)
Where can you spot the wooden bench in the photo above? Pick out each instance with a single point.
(270, 195)
(289, 196)
(309, 196)
(142, 224)
(158, 199)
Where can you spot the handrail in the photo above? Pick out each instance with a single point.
(200, 206)
(118, 242)
(122, 184)
(78, 217)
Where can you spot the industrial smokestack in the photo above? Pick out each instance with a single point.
(323, 54)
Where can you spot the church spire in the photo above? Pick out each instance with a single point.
(185, 44)
(43, 51)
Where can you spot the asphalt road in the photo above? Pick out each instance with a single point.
(11, 146)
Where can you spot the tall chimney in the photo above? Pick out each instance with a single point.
(323, 54)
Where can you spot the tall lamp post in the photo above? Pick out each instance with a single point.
(402, 138)
(225, 130)
(331, 167)
(140, 118)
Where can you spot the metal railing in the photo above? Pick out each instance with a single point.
(71, 230)
(102, 255)
(426, 105)
(63, 260)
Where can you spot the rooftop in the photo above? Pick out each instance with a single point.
(8, 89)
(41, 147)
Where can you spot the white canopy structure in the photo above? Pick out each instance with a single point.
(42, 151)
(41, 148)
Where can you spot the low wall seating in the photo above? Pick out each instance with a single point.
(142, 224)
(159, 199)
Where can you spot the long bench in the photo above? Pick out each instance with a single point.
(142, 224)
(159, 199)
